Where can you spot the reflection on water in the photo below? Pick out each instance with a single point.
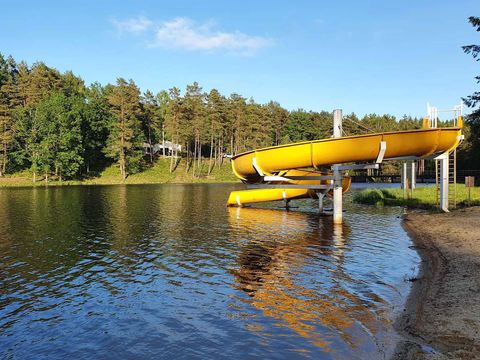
(276, 248)
(163, 271)
(268, 269)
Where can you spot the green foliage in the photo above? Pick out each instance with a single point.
(422, 197)
(472, 152)
(369, 197)
(299, 126)
(59, 120)
(3, 70)
(55, 127)
(124, 143)
(9, 100)
(37, 82)
(95, 127)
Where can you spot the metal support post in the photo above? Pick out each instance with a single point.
(337, 196)
(413, 178)
(337, 175)
(320, 195)
(408, 177)
(443, 159)
(404, 179)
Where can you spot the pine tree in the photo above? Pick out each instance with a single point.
(125, 139)
(322, 124)
(151, 120)
(3, 70)
(216, 113)
(163, 101)
(237, 119)
(72, 85)
(173, 120)
(23, 78)
(5, 128)
(95, 126)
(299, 126)
(473, 101)
(195, 116)
(259, 126)
(9, 100)
(279, 118)
(39, 82)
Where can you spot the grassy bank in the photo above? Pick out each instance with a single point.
(157, 173)
(421, 197)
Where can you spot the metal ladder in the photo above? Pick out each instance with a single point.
(452, 156)
(452, 179)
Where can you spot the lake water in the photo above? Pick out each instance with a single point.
(167, 271)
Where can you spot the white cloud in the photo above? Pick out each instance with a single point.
(184, 33)
(134, 25)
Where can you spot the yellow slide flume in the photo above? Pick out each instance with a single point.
(242, 197)
(285, 159)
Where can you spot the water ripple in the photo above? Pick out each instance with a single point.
(168, 271)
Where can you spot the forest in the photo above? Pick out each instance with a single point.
(55, 126)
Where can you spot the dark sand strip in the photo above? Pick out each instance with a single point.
(442, 315)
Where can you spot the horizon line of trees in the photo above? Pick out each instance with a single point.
(52, 124)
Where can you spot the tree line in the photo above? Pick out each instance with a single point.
(53, 124)
(471, 151)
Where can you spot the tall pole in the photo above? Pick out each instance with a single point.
(163, 139)
(443, 182)
(413, 178)
(337, 175)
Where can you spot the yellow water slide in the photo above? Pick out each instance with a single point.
(288, 161)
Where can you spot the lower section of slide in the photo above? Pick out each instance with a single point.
(243, 197)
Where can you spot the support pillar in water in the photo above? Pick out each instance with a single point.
(320, 195)
(337, 175)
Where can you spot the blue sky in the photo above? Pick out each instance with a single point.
(362, 56)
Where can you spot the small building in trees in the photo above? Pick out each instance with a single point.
(157, 149)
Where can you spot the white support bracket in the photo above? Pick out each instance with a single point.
(256, 167)
(381, 152)
(275, 178)
(358, 167)
(289, 186)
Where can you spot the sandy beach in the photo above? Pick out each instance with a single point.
(441, 319)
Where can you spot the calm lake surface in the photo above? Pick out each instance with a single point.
(167, 271)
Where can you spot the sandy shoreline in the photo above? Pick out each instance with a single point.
(441, 319)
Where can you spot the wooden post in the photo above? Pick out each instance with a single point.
(469, 183)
